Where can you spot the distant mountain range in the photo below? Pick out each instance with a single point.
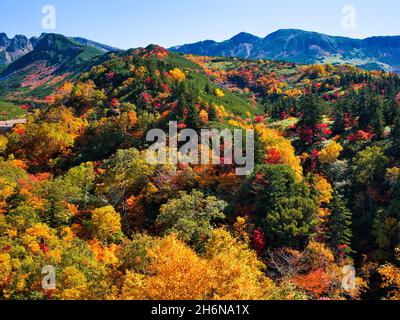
(13, 48)
(35, 67)
(300, 46)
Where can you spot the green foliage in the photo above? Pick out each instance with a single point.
(10, 111)
(191, 216)
(284, 207)
(340, 223)
(369, 165)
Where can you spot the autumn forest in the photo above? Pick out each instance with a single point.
(317, 219)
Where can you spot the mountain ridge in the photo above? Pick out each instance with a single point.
(299, 46)
(11, 49)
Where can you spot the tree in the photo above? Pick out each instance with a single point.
(43, 140)
(395, 135)
(204, 117)
(369, 165)
(125, 174)
(228, 270)
(309, 126)
(3, 144)
(175, 272)
(284, 208)
(237, 274)
(339, 225)
(292, 222)
(330, 153)
(191, 216)
(378, 120)
(391, 278)
(105, 223)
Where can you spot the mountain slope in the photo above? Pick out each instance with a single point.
(54, 59)
(12, 49)
(305, 47)
(89, 43)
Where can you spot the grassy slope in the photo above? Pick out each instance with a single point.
(10, 111)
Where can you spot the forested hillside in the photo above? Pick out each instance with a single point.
(77, 193)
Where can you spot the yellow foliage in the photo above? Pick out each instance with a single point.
(220, 111)
(219, 93)
(106, 223)
(176, 272)
(393, 175)
(105, 254)
(236, 272)
(273, 139)
(5, 268)
(240, 229)
(204, 116)
(229, 270)
(3, 143)
(7, 188)
(177, 74)
(133, 118)
(391, 278)
(324, 189)
(73, 284)
(330, 153)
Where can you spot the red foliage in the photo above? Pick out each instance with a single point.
(323, 127)
(148, 80)
(360, 135)
(111, 75)
(258, 241)
(24, 107)
(115, 103)
(315, 283)
(259, 119)
(166, 88)
(43, 247)
(274, 156)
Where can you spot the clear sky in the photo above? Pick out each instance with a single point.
(133, 23)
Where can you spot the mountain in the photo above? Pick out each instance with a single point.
(12, 49)
(20, 45)
(305, 47)
(89, 43)
(54, 59)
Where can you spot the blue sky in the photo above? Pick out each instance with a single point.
(133, 23)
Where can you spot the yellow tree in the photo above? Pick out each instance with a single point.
(176, 273)
(330, 153)
(105, 223)
(237, 274)
(391, 278)
(273, 140)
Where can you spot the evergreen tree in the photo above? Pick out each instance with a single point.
(340, 223)
(378, 123)
(395, 136)
(312, 112)
(339, 125)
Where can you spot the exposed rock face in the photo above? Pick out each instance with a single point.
(12, 49)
